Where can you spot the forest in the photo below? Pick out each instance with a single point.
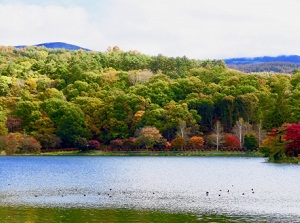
(56, 98)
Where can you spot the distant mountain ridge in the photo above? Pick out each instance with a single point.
(58, 45)
(279, 64)
(264, 59)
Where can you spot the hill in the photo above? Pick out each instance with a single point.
(264, 59)
(279, 64)
(276, 67)
(58, 45)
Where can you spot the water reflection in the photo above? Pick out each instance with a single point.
(232, 187)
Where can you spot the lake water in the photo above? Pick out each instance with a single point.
(148, 189)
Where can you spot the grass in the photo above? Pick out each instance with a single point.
(153, 153)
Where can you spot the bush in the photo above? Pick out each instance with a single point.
(129, 143)
(3, 143)
(29, 145)
(161, 144)
(94, 145)
(250, 142)
(49, 141)
(232, 141)
(196, 142)
(147, 137)
(116, 144)
(178, 143)
(17, 143)
(81, 144)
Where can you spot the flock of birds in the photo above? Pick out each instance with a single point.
(110, 193)
(228, 191)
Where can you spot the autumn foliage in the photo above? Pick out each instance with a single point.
(196, 142)
(292, 136)
(17, 143)
(232, 141)
(178, 143)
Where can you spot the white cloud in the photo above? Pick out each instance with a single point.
(195, 28)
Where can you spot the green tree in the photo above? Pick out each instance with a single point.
(250, 142)
(69, 120)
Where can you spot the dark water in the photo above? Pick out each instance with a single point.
(147, 189)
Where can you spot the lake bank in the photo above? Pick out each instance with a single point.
(213, 153)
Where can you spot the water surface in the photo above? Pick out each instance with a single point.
(126, 188)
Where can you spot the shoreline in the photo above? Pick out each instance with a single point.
(153, 153)
(207, 153)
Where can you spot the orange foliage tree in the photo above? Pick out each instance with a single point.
(196, 142)
(178, 143)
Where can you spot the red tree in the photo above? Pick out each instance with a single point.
(292, 135)
(232, 141)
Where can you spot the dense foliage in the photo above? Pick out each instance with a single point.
(129, 100)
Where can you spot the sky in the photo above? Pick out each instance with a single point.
(198, 29)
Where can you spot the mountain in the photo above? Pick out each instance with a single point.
(265, 59)
(279, 64)
(58, 45)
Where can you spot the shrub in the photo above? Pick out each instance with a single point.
(3, 143)
(94, 144)
(29, 145)
(129, 143)
(116, 144)
(178, 143)
(13, 140)
(17, 143)
(196, 142)
(49, 141)
(147, 137)
(232, 141)
(81, 144)
(161, 144)
(250, 142)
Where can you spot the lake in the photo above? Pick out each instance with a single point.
(147, 189)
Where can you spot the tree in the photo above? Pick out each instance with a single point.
(69, 120)
(293, 138)
(239, 130)
(81, 144)
(178, 143)
(29, 112)
(274, 146)
(49, 141)
(17, 143)
(147, 137)
(250, 142)
(196, 142)
(116, 144)
(232, 141)
(177, 116)
(29, 145)
(218, 134)
(94, 144)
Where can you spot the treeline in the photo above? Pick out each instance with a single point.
(59, 98)
(277, 67)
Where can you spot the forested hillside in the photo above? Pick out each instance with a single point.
(67, 98)
(277, 67)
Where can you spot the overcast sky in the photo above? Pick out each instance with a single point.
(200, 29)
